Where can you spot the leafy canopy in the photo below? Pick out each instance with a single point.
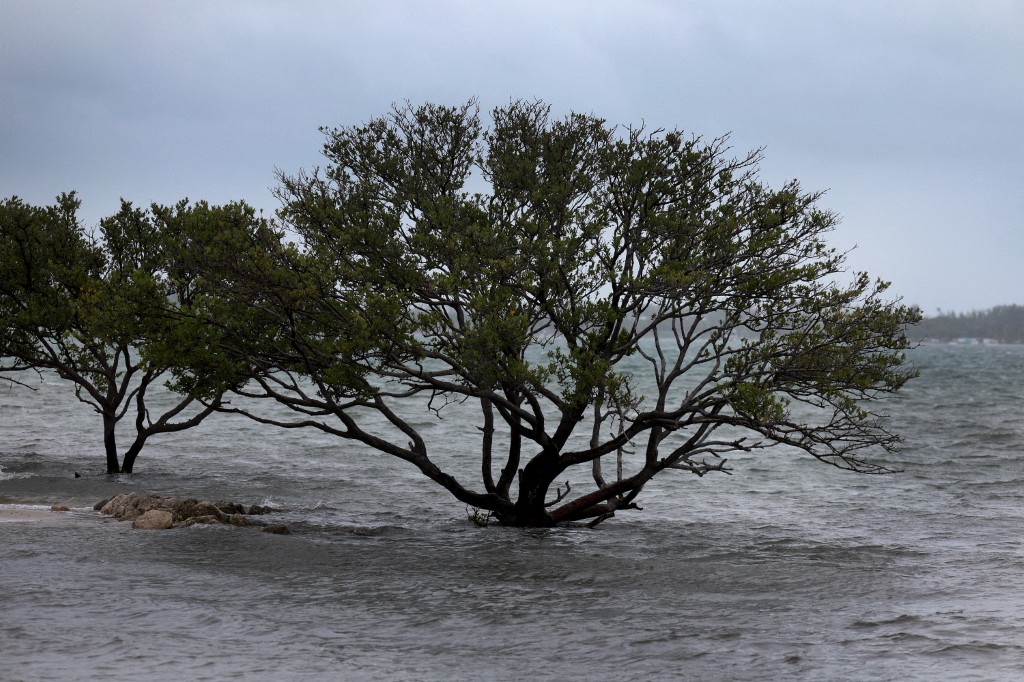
(513, 267)
(104, 309)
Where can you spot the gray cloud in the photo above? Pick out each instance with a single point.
(909, 111)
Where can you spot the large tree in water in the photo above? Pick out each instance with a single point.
(511, 267)
(100, 310)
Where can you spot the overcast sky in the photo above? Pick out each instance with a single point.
(911, 113)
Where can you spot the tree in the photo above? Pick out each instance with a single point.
(97, 310)
(515, 267)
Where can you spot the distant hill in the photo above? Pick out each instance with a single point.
(1004, 324)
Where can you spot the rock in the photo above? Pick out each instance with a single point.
(148, 502)
(191, 508)
(257, 510)
(154, 519)
(126, 506)
(229, 507)
(109, 506)
(153, 511)
(99, 505)
(171, 504)
(277, 529)
(192, 521)
(130, 506)
(117, 504)
(59, 508)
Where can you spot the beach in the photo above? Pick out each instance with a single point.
(34, 513)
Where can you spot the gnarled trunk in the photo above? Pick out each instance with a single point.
(534, 481)
(527, 516)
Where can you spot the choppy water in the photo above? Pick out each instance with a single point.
(789, 569)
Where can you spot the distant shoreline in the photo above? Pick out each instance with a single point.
(999, 325)
(969, 341)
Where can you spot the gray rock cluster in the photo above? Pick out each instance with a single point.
(156, 512)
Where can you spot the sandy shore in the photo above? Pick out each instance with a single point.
(26, 513)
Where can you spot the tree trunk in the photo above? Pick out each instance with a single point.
(110, 444)
(131, 454)
(534, 482)
(527, 516)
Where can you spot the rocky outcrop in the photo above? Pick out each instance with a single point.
(130, 506)
(156, 512)
(154, 519)
(229, 507)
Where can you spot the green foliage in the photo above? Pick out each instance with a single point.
(110, 311)
(509, 267)
(478, 517)
(514, 265)
(200, 238)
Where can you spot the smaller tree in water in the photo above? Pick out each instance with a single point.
(101, 310)
(517, 268)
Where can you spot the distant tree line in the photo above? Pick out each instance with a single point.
(1004, 323)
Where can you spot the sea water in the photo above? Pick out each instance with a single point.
(786, 569)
